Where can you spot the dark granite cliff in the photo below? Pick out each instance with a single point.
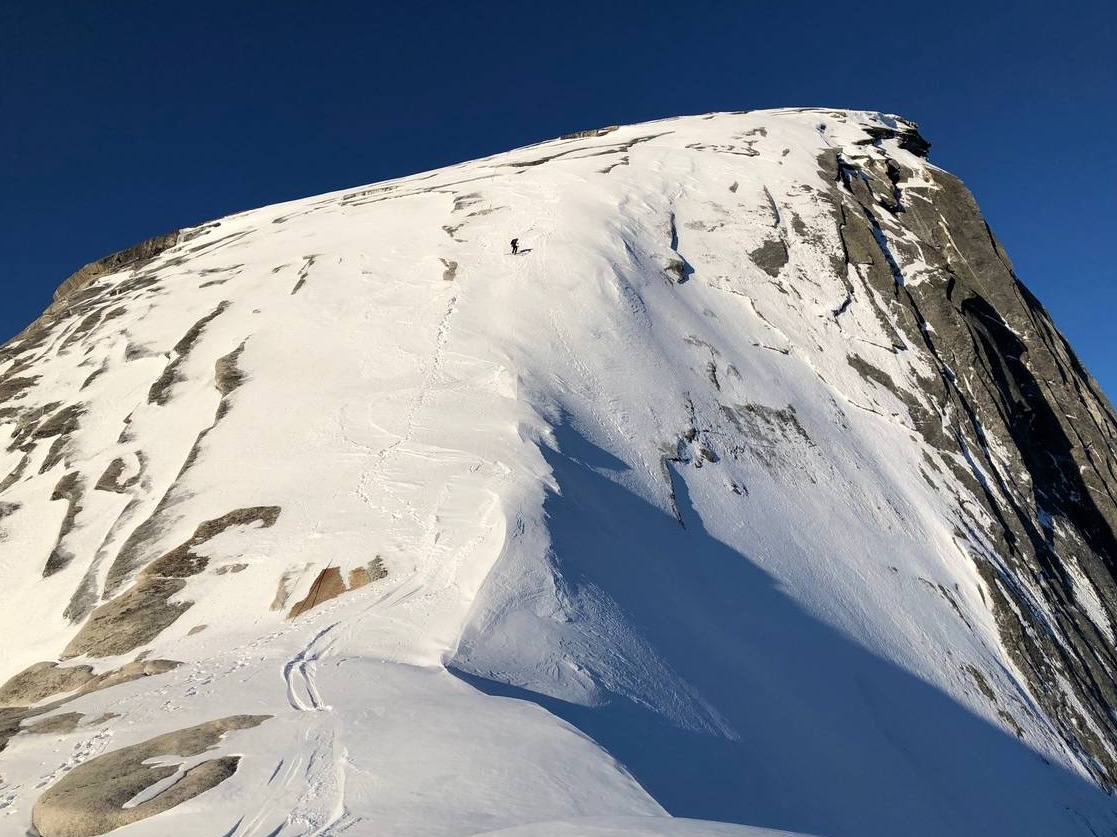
(1015, 401)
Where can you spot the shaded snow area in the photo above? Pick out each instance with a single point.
(611, 537)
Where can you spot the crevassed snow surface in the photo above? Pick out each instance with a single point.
(653, 548)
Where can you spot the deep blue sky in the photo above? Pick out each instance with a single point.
(121, 120)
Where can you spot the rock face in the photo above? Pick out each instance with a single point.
(755, 489)
(1011, 398)
(130, 258)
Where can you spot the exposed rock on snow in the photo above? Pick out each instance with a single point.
(141, 613)
(131, 258)
(102, 794)
(22, 696)
(329, 585)
(770, 257)
(61, 724)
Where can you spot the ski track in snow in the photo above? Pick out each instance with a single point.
(305, 794)
(299, 674)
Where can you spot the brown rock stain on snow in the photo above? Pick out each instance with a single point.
(329, 585)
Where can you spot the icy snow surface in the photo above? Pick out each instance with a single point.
(653, 547)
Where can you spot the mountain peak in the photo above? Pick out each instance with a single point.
(749, 487)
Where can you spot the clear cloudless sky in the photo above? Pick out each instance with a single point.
(120, 120)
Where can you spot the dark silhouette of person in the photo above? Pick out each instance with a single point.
(515, 246)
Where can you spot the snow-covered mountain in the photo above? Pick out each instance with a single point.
(754, 492)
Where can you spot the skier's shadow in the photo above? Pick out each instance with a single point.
(523, 252)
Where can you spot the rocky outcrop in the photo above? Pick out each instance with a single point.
(930, 264)
(329, 584)
(129, 258)
(593, 132)
(94, 797)
(145, 609)
(45, 680)
(770, 257)
(28, 694)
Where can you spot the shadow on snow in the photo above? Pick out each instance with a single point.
(830, 738)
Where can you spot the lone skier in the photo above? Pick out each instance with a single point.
(515, 246)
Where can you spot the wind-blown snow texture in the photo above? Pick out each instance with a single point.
(755, 490)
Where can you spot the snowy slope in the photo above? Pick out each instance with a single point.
(620, 527)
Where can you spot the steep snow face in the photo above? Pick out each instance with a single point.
(716, 501)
